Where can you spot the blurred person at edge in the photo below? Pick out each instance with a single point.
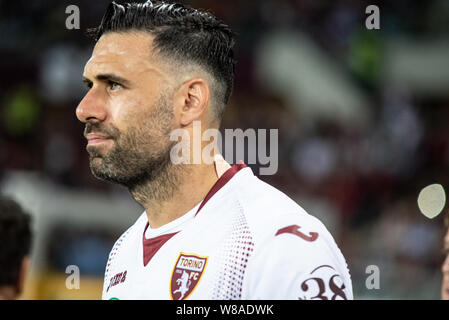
(15, 243)
(445, 266)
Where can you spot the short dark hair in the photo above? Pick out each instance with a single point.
(15, 239)
(180, 32)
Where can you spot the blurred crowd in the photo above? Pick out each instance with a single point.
(362, 178)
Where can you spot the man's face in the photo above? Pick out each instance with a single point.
(128, 109)
(445, 269)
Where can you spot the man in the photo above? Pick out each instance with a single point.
(209, 230)
(15, 241)
(445, 266)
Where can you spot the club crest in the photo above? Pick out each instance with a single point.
(186, 275)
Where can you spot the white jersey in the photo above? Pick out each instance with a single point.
(245, 240)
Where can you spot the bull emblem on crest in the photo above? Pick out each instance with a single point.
(186, 275)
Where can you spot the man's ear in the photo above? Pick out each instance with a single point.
(24, 267)
(191, 101)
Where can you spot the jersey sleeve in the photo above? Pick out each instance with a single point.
(111, 265)
(298, 264)
(107, 273)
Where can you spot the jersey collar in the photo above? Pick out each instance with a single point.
(152, 245)
(221, 182)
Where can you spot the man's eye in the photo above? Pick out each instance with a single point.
(115, 85)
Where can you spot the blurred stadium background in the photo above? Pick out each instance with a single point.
(363, 119)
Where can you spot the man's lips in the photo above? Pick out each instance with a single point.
(95, 138)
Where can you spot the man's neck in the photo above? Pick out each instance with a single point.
(189, 187)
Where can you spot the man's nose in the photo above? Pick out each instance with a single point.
(91, 108)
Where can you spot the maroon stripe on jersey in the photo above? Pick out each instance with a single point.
(221, 182)
(151, 246)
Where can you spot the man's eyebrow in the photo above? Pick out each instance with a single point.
(105, 77)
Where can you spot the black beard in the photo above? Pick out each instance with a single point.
(139, 158)
(148, 178)
(128, 167)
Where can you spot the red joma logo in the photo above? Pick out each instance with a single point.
(294, 229)
(115, 280)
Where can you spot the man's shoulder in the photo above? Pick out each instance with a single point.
(287, 238)
(268, 209)
(275, 219)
